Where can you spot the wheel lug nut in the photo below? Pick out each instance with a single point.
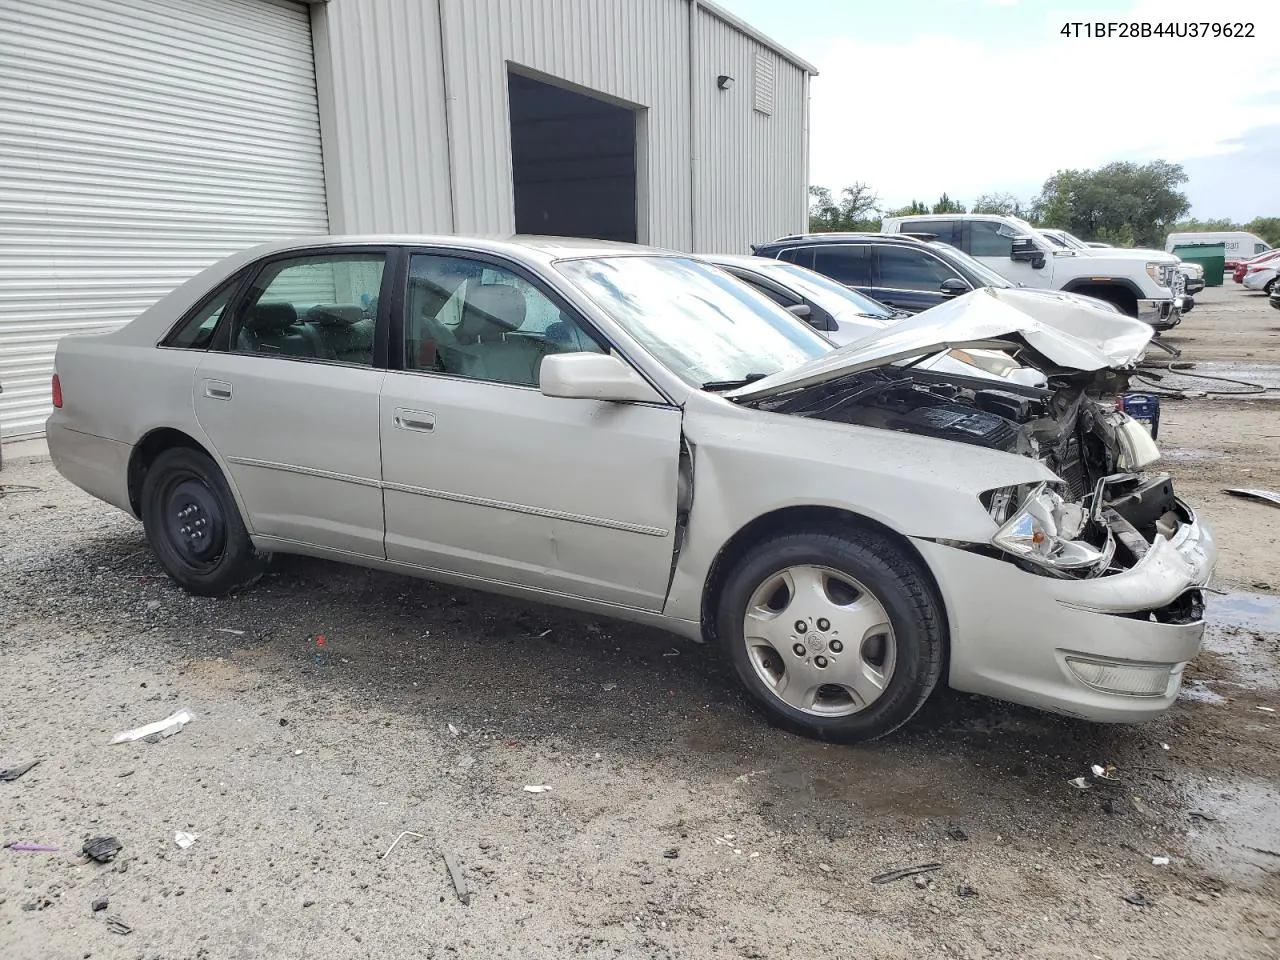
(836, 646)
(801, 626)
(819, 662)
(799, 649)
(824, 624)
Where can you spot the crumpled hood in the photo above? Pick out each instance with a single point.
(1057, 332)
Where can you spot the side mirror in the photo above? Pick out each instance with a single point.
(1025, 250)
(593, 376)
(953, 287)
(800, 310)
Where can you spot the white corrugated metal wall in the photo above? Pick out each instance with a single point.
(140, 140)
(414, 95)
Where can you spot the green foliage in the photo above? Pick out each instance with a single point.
(946, 205)
(913, 209)
(1001, 204)
(856, 210)
(1102, 203)
(1268, 228)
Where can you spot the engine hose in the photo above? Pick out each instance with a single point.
(1181, 368)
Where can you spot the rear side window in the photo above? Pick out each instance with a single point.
(947, 231)
(848, 264)
(313, 308)
(196, 331)
(800, 256)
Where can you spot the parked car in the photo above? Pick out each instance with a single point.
(1238, 245)
(903, 272)
(635, 433)
(843, 315)
(1243, 267)
(1192, 273)
(1146, 286)
(1261, 276)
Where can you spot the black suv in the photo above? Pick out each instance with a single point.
(902, 271)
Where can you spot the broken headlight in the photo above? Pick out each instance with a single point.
(1037, 525)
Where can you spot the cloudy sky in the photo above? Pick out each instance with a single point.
(919, 96)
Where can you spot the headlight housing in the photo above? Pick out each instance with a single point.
(1041, 528)
(1158, 272)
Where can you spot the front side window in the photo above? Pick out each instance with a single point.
(701, 323)
(845, 263)
(467, 318)
(903, 268)
(313, 308)
(990, 238)
(1260, 248)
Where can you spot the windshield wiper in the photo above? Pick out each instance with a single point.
(732, 384)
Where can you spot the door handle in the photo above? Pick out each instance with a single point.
(418, 420)
(217, 389)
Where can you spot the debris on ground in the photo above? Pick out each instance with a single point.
(237, 633)
(10, 488)
(956, 833)
(921, 882)
(537, 788)
(13, 773)
(403, 834)
(31, 847)
(99, 904)
(1105, 773)
(455, 874)
(1201, 815)
(824, 867)
(893, 875)
(1267, 709)
(1080, 783)
(102, 849)
(672, 854)
(466, 762)
(966, 892)
(454, 730)
(1160, 861)
(1164, 746)
(185, 840)
(1137, 899)
(158, 730)
(1265, 496)
(116, 925)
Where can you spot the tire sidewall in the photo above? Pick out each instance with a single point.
(871, 561)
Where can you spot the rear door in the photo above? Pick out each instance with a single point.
(847, 263)
(288, 398)
(909, 276)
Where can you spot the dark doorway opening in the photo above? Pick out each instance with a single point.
(573, 162)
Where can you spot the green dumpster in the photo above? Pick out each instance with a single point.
(1211, 256)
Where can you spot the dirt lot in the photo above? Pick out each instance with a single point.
(678, 823)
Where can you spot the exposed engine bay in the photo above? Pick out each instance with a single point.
(1074, 427)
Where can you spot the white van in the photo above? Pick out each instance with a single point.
(1240, 245)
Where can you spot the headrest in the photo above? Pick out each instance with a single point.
(270, 317)
(335, 314)
(491, 311)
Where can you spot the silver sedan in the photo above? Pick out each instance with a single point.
(633, 432)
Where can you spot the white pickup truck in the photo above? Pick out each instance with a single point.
(1148, 286)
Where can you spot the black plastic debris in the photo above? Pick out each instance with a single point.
(116, 925)
(13, 773)
(102, 849)
(99, 905)
(955, 833)
(893, 875)
(1137, 899)
(672, 854)
(966, 892)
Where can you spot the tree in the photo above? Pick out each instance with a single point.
(946, 205)
(914, 209)
(1144, 198)
(1001, 204)
(1268, 228)
(857, 209)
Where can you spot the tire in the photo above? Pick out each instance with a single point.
(194, 526)
(1269, 287)
(854, 579)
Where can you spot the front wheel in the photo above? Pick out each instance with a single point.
(194, 526)
(839, 636)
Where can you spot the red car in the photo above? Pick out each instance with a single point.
(1243, 266)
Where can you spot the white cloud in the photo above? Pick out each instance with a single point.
(934, 113)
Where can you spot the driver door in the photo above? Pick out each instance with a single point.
(486, 477)
(991, 242)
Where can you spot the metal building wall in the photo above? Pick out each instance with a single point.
(416, 140)
(751, 176)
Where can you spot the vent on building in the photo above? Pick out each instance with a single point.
(763, 84)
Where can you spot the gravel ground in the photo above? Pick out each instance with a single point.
(677, 823)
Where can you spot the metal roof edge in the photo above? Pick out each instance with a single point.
(720, 13)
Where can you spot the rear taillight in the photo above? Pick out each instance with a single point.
(57, 392)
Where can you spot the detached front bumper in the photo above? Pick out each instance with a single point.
(1162, 314)
(1071, 646)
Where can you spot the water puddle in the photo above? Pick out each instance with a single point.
(1244, 630)
(1236, 828)
(1253, 611)
(1196, 692)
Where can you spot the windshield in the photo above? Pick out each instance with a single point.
(828, 294)
(701, 323)
(984, 273)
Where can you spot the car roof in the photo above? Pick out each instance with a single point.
(809, 239)
(524, 246)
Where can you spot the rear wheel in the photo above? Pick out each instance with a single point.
(194, 526)
(837, 635)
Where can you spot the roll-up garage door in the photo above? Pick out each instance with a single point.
(140, 140)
